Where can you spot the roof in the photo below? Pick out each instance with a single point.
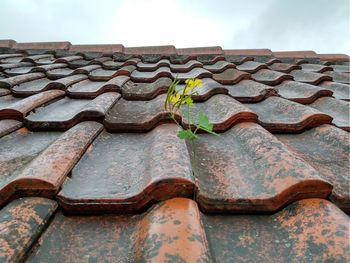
(91, 169)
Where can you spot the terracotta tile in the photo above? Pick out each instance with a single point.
(79, 63)
(270, 77)
(20, 108)
(248, 52)
(170, 231)
(340, 91)
(251, 66)
(341, 68)
(13, 81)
(21, 223)
(250, 91)
(106, 74)
(105, 49)
(68, 59)
(231, 76)
(295, 54)
(340, 77)
(284, 116)
(11, 72)
(216, 50)
(167, 50)
(326, 148)
(41, 45)
(210, 59)
(136, 116)
(88, 89)
(6, 43)
(124, 172)
(39, 165)
(219, 66)
(45, 68)
(117, 65)
(176, 68)
(238, 60)
(147, 77)
(284, 67)
(33, 59)
(145, 91)
(318, 68)
(65, 72)
(310, 230)
(208, 89)
(338, 109)
(247, 169)
(141, 116)
(333, 57)
(223, 112)
(4, 92)
(6, 66)
(272, 60)
(65, 113)
(301, 92)
(309, 77)
(8, 126)
(42, 84)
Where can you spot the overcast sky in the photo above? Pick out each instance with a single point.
(320, 25)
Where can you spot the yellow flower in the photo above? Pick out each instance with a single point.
(174, 98)
(192, 83)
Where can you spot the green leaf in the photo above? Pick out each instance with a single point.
(186, 134)
(203, 122)
(189, 101)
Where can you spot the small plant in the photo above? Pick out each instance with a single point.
(182, 98)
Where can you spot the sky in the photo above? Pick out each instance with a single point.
(280, 25)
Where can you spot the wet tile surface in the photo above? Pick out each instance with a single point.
(327, 149)
(281, 115)
(248, 170)
(85, 125)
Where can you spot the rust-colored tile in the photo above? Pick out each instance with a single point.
(65, 113)
(284, 116)
(111, 64)
(270, 77)
(208, 89)
(340, 91)
(8, 126)
(248, 52)
(247, 169)
(309, 77)
(105, 49)
(42, 84)
(301, 92)
(42, 168)
(145, 91)
(216, 50)
(339, 110)
(13, 81)
(231, 76)
(310, 230)
(141, 116)
(106, 74)
(341, 77)
(318, 68)
(42, 45)
(167, 50)
(219, 66)
(223, 112)
(176, 68)
(124, 172)
(19, 109)
(295, 54)
(251, 66)
(21, 223)
(40, 59)
(327, 149)
(334, 57)
(147, 77)
(250, 91)
(6, 43)
(88, 89)
(284, 67)
(169, 232)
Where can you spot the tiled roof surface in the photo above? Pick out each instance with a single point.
(91, 169)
